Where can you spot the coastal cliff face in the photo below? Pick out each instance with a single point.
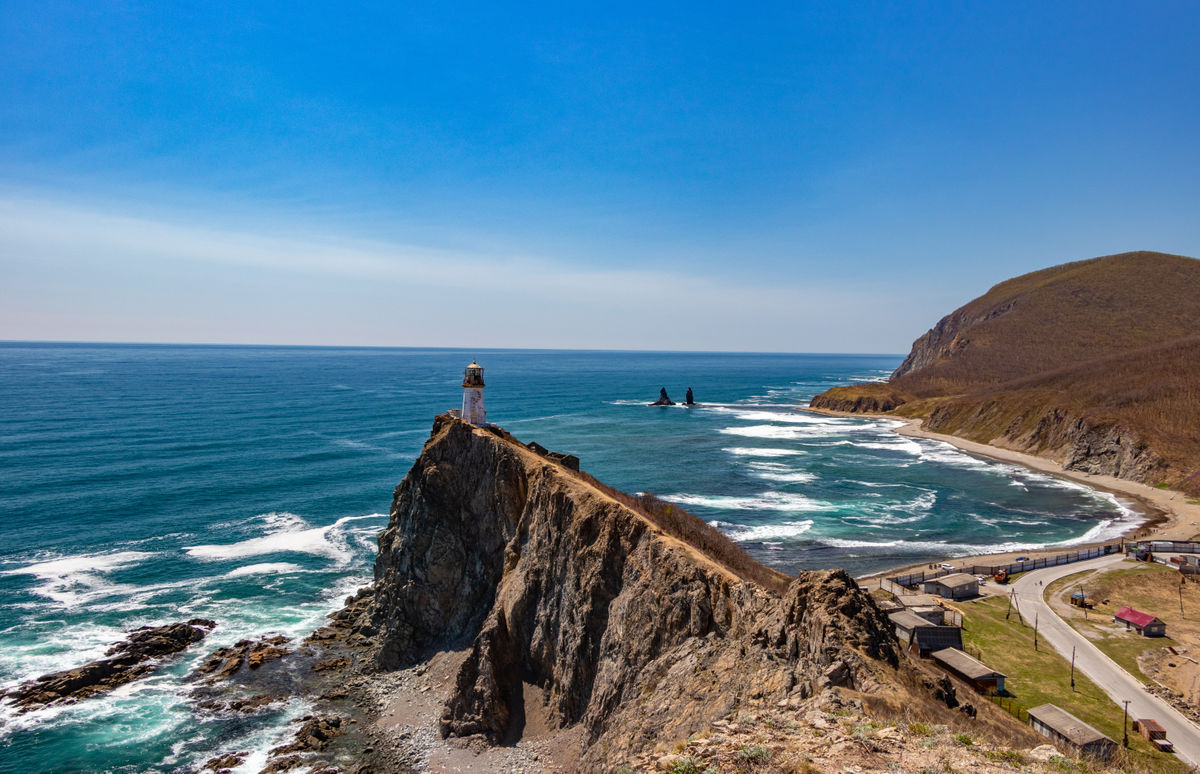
(575, 607)
(1094, 363)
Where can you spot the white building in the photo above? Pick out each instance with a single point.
(472, 408)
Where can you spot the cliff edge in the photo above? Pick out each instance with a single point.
(568, 598)
(1093, 363)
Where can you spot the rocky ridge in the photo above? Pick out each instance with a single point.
(570, 600)
(525, 618)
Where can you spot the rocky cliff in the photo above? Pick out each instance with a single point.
(576, 607)
(1094, 363)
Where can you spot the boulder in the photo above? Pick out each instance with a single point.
(126, 661)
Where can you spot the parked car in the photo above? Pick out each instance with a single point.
(945, 566)
(1022, 558)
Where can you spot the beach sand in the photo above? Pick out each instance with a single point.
(1169, 514)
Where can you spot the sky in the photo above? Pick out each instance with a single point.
(797, 177)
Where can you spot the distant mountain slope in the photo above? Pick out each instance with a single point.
(1096, 363)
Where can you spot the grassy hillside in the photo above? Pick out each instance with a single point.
(1056, 317)
(1096, 362)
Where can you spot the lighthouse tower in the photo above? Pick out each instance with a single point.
(472, 409)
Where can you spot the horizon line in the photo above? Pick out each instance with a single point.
(249, 345)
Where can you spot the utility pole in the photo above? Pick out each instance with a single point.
(1010, 601)
(1182, 578)
(1035, 628)
(1072, 667)
(1125, 725)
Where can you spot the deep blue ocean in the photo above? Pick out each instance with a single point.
(146, 484)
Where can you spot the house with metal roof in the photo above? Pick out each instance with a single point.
(1144, 623)
(956, 585)
(918, 600)
(1150, 729)
(922, 637)
(969, 669)
(1070, 733)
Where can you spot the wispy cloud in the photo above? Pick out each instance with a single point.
(433, 296)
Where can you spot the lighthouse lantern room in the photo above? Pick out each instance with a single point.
(472, 408)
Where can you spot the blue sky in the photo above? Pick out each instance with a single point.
(786, 177)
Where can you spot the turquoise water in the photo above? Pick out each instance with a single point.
(145, 484)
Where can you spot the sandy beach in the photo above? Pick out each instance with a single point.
(1170, 515)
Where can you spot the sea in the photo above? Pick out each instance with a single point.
(146, 484)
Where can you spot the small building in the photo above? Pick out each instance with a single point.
(977, 674)
(918, 600)
(922, 637)
(1070, 733)
(934, 614)
(889, 605)
(958, 585)
(1143, 623)
(472, 405)
(1149, 729)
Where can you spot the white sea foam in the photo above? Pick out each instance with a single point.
(75, 580)
(291, 534)
(948, 455)
(790, 417)
(266, 568)
(774, 471)
(760, 431)
(767, 501)
(781, 531)
(902, 445)
(742, 451)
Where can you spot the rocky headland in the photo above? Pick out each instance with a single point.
(1093, 364)
(525, 617)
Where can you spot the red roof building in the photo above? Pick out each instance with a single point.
(1144, 623)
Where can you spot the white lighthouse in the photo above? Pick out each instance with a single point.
(472, 409)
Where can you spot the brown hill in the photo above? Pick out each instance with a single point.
(1096, 363)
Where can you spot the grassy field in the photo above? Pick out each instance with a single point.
(1152, 588)
(1037, 676)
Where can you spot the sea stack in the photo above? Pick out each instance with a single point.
(663, 399)
(687, 400)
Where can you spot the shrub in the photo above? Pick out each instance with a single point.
(687, 765)
(755, 754)
(1013, 757)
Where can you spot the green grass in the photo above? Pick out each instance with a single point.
(1039, 676)
(1149, 587)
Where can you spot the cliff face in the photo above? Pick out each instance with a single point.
(1095, 363)
(572, 600)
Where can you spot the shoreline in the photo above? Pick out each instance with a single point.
(1168, 514)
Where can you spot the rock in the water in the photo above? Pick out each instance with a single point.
(688, 400)
(663, 400)
(127, 660)
(225, 662)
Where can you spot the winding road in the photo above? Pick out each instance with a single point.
(1102, 670)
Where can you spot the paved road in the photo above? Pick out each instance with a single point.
(1103, 671)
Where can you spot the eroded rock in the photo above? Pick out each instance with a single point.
(225, 662)
(126, 661)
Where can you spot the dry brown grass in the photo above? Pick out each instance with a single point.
(698, 534)
(1064, 315)
(1112, 342)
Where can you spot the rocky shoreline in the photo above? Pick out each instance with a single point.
(524, 618)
